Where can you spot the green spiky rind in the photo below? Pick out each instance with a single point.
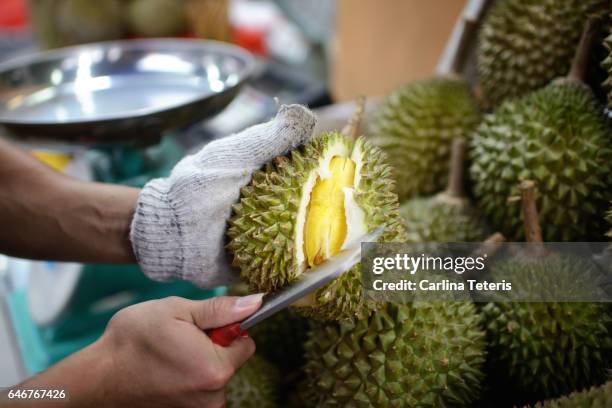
(416, 125)
(280, 339)
(302, 396)
(255, 385)
(525, 44)
(557, 138)
(419, 354)
(607, 65)
(609, 219)
(543, 350)
(438, 219)
(263, 225)
(594, 397)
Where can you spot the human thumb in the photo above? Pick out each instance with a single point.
(223, 310)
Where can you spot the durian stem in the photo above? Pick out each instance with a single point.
(496, 238)
(580, 61)
(456, 169)
(533, 232)
(458, 45)
(489, 247)
(352, 127)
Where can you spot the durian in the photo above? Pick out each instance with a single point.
(255, 385)
(422, 354)
(525, 44)
(542, 350)
(609, 218)
(557, 137)
(303, 208)
(156, 18)
(607, 65)
(416, 125)
(448, 216)
(280, 339)
(594, 397)
(84, 21)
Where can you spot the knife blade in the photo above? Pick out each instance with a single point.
(308, 282)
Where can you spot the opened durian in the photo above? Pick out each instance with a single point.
(448, 216)
(525, 44)
(304, 208)
(416, 125)
(414, 355)
(255, 385)
(557, 137)
(541, 350)
(594, 397)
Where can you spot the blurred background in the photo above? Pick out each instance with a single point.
(315, 52)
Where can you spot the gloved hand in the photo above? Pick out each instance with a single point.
(178, 230)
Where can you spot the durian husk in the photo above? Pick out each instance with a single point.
(263, 227)
(414, 355)
(435, 219)
(448, 216)
(594, 397)
(540, 350)
(416, 125)
(525, 44)
(255, 385)
(557, 137)
(156, 18)
(280, 339)
(609, 219)
(543, 350)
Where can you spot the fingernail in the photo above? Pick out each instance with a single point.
(248, 301)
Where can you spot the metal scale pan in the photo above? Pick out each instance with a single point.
(119, 90)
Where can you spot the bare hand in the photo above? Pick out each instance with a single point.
(162, 357)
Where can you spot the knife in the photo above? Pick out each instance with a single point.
(308, 282)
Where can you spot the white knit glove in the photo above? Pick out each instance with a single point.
(178, 230)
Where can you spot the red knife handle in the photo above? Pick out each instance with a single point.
(224, 336)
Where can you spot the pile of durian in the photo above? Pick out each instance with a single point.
(523, 149)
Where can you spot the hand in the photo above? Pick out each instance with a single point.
(178, 230)
(161, 356)
(153, 354)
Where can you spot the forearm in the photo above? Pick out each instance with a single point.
(83, 377)
(46, 215)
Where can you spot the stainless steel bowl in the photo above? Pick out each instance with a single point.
(119, 90)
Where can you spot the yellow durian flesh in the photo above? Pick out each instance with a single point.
(325, 227)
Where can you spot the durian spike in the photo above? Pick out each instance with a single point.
(580, 61)
(351, 130)
(455, 187)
